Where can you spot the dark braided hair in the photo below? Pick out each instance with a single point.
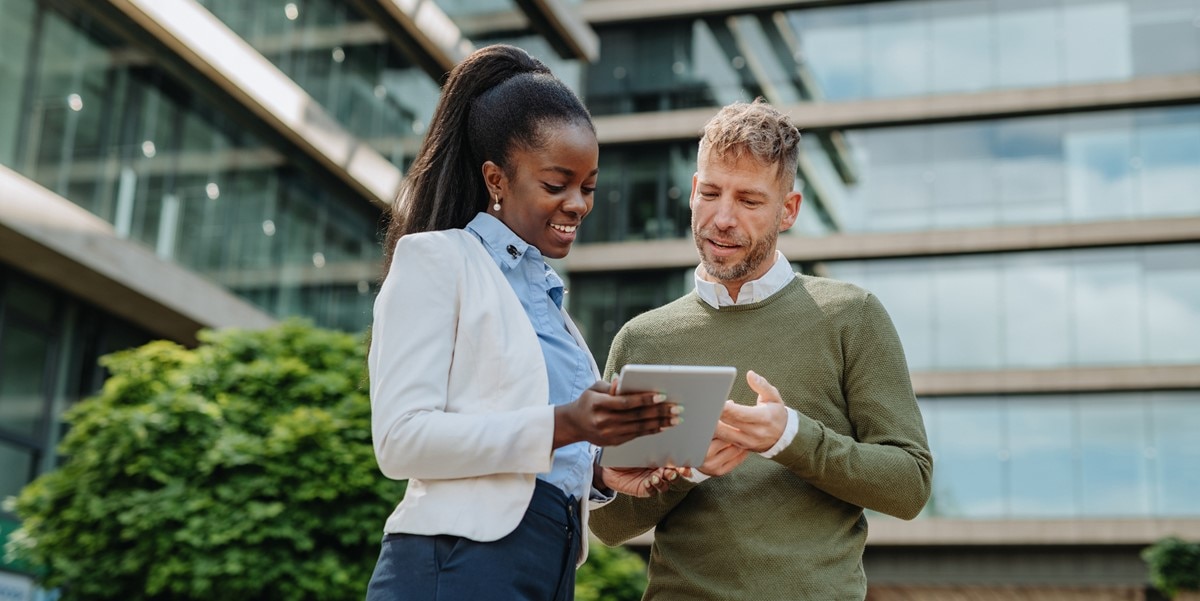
(497, 99)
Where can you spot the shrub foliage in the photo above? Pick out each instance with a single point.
(1174, 565)
(242, 469)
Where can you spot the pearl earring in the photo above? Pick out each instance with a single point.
(496, 207)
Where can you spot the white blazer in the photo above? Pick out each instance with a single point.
(459, 391)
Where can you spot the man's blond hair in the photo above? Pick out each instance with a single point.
(756, 130)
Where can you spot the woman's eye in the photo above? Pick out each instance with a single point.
(554, 189)
(589, 190)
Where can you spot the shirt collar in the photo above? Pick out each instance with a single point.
(505, 247)
(717, 296)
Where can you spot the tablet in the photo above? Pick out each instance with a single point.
(702, 390)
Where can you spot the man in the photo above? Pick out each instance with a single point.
(825, 424)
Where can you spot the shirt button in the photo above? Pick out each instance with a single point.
(512, 250)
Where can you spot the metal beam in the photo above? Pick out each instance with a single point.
(227, 62)
(51, 238)
(681, 253)
(422, 31)
(562, 25)
(1140, 92)
(605, 12)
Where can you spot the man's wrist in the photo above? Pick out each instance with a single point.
(789, 434)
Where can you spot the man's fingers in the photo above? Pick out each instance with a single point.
(767, 393)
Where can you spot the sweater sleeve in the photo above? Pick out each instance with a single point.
(626, 517)
(887, 465)
(416, 431)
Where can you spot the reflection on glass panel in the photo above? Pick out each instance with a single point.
(1113, 456)
(917, 47)
(1122, 306)
(642, 193)
(34, 300)
(1055, 456)
(1128, 164)
(1026, 37)
(344, 61)
(967, 439)
(1108, 302)
(16, 469)
(24, 353)
(1176, 420)
(966, 297)
(1164, 41)
(1098, 152)
(1096, 40)
(1030, 182)
(602, 303)
(898, 47)
(1166, 149)
(16, 29)
(1036, 311)
(1172, 291)
(126, 141)
(960, 40)
(834, 47)
(963, 190)
(1041, 433)
(909, 299)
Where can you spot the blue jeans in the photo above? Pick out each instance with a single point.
(535, 562)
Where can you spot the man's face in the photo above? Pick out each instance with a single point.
(739, 206)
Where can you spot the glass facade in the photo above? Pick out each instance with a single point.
(49, 344)
(345, 62)
(1064, 456)
(600, 303)
(97, 122)
(891, 50)
(1051, 309)
(1056, 169)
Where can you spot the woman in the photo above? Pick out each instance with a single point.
(484, 395)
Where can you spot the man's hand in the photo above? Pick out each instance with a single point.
(722, 457)
(641, 481)
(755, 428)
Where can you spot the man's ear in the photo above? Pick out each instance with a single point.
(692, 196)
(791, 210)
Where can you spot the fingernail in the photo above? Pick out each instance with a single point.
(675, 421)
(660, 397)
(654, 480)
(677, 409)
(672, 475)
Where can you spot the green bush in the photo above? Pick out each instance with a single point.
(610, 574)
(1174, 565)
(242, 469)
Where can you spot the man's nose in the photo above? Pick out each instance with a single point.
(726, 214)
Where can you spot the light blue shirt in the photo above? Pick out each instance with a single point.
(569, 368)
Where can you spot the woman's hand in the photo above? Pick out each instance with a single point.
(641, 481)
(605, 419)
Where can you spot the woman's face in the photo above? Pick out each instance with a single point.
(550, 189)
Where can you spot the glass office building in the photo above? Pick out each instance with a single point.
(1017, 180)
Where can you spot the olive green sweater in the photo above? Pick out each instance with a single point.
(792, 527)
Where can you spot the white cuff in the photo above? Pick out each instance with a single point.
(785, 439)
(697, 477)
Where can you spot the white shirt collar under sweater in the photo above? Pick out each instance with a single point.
(717, 296)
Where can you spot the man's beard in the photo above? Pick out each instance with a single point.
(725, 272)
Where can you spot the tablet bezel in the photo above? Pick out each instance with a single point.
(701, 389)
